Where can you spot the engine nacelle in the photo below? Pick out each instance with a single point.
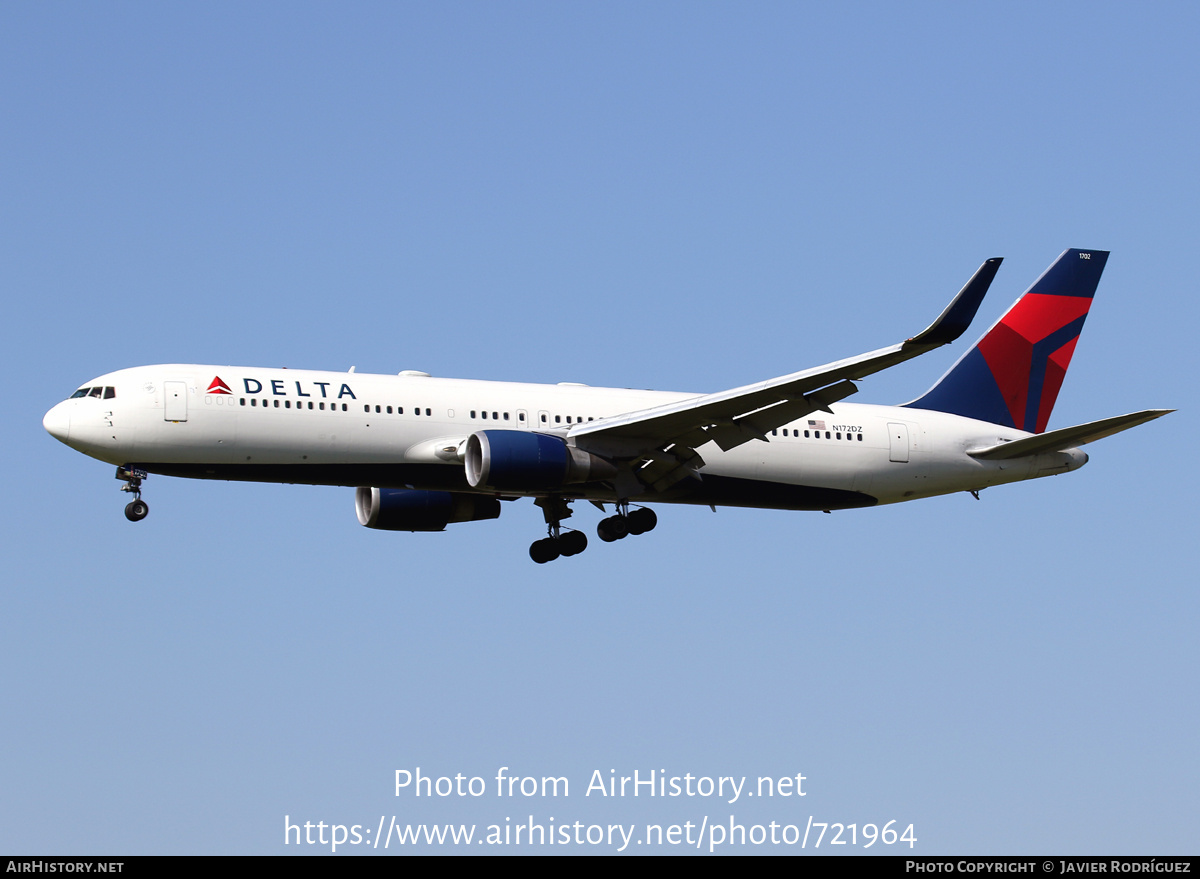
(399, 509)
(515, 460)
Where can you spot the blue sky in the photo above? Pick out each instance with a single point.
(677, 196)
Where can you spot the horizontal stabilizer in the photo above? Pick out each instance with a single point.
(1068, 437)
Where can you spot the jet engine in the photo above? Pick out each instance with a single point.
(515, 460)
(398, 509)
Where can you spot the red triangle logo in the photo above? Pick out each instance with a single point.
(216, 386)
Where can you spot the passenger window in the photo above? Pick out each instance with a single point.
(430, 412)
(242, 401)
(321, 406)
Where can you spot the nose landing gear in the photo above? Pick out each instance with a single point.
(137, 509)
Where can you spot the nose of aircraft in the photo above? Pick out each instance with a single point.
(58, 422)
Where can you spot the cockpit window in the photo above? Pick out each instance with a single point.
(106, 393)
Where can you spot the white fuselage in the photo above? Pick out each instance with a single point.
(407, 431)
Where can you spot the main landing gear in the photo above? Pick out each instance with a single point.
(559, 543)
(567, 543)
(137, 509)
(638, 521)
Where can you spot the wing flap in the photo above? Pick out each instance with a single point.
(731, 434)
(665, 468)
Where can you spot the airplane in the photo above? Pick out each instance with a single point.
(425, 452)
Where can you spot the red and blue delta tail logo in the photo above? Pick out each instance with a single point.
(217, 386)
(1013, 374)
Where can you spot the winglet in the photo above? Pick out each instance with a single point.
(953, 322)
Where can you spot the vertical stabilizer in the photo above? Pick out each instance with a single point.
(1013, 374)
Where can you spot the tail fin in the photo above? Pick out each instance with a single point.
(1013, 374)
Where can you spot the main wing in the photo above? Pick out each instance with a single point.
(659, 444)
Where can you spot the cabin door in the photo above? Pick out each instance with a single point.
(175, 401)
(898, 443)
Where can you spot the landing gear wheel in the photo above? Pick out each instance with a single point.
(572, 543)
(642, 520)
(612, 528)
(136, 509)
(544, 550)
